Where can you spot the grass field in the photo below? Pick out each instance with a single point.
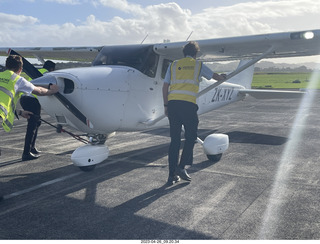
(283, 80)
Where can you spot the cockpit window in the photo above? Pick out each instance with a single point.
(141, 57)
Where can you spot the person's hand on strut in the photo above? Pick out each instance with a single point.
(220, 77)
(223, 76)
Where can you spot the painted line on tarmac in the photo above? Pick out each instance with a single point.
(60, 179)
(36, 187)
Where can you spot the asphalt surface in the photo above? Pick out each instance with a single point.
(266, 185)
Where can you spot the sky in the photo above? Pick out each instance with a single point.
(108, 22)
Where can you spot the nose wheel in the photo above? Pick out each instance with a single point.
(89, 155)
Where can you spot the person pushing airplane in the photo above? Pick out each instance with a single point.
(31, 103)
(12, 86)
(180, 88)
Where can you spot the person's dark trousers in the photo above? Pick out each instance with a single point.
(182, 113)
(31, 104)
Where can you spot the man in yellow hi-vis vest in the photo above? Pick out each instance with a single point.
(31, 103)
(11, 86)
(180, 88)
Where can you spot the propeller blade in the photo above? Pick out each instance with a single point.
(28, 68)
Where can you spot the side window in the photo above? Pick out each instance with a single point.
(165, 65)
(149, 66)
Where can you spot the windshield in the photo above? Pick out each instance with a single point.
(141, 57)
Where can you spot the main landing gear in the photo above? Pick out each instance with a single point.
(91, 154)
(214, 145)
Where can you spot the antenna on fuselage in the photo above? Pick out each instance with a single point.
(189, 35)
(144, 38)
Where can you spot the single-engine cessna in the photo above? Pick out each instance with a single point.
(122, 90)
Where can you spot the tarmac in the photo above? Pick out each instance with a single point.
(266, 185)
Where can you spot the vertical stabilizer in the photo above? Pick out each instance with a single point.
(245, 77)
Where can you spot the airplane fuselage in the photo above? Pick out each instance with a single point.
(119, 98)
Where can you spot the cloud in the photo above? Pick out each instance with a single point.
(122, 5)
(257, 17)
(9, 20)
(11, 27)
(161, 21)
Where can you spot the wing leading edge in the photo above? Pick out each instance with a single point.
(286, 44)
(81, 54)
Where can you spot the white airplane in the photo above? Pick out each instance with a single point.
(122, 91)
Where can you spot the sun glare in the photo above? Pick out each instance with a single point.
(278, 198)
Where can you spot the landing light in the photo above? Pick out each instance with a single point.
(302, 35)
(308, 35)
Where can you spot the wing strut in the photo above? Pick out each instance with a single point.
(237, 71)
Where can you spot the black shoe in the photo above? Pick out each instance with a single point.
(35, 151)
(183, 174)
(29, 156)
(172, 180)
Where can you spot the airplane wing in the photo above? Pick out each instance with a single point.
(277, 45)
(81, 54)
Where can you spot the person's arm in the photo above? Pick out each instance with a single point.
(165, 89)
(41, 91)
(207, 73)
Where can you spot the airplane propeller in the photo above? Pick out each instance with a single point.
(28, 68)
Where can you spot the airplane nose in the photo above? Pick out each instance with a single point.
(44, 81)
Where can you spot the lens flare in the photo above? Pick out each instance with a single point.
(278, 193)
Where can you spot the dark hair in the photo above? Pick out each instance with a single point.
(191, 49)
(49, 65)
(14, 63)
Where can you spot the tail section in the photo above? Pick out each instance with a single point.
(245, 77)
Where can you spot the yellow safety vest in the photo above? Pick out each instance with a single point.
(43, 70)
(8, 98)
(184, 83)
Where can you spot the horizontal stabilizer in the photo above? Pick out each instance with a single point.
(272, 94)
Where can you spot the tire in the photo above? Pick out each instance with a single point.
(214, 158)
(87, 168)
